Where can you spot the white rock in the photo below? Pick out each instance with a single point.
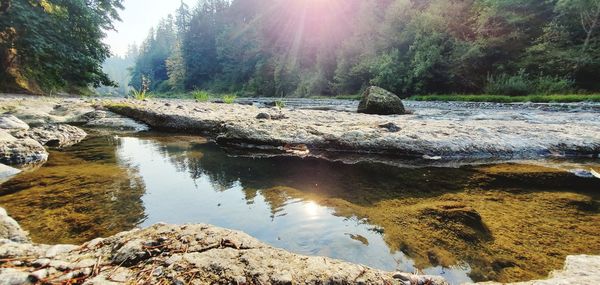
(12, 123)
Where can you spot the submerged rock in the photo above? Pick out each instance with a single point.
(20, 151)
(54, 135)
(378, 101)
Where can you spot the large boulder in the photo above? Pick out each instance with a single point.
(54, 135)
(20, 151)
(378, 101)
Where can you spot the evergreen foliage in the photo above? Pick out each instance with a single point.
(55, 45)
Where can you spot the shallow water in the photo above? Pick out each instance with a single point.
(505, 222)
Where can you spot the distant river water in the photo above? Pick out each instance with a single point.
(504, 221)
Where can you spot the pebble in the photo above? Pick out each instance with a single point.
(263, 116)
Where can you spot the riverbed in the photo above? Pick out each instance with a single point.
(503, 222)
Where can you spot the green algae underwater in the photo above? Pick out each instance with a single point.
(502, 222)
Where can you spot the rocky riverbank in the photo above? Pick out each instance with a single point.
(170, 254)
(148, 254)
(28, 125)
(430, 133)
(204, 254)
(448, 131)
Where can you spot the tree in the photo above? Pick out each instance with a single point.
(40, 53)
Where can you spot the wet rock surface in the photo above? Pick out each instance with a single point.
(189, 254)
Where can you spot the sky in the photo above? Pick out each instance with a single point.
(137, 19)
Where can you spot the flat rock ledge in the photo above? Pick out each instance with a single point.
(170, 254)
(54, 135)
(411, 135)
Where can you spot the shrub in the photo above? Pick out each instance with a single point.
(547, 85)
(201, 95)
(512, 85)
(229, 99)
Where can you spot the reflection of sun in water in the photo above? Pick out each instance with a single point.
(311, 208)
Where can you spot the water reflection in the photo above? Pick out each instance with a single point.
(80, 194)
(500, 222)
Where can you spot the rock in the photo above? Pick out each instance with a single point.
(263, 116)
(130, 253)
(429, 157)
(378, 101)
(59, 249)
(582, 173)
(443, 132)
(10, 276)
(44, 110)
(119, 123)
(40, 274)
(279, 116)
(214, 256)
(10, 229)
(578, 269)
(54, 135)
(11, 123)
(14, 151)
(94, 115)
(409, 279)
(391, 127)
(121, 275)
(6, 172)
(10, 248)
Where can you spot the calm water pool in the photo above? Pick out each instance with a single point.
(505, 222)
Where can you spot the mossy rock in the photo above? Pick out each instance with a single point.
(378, 101)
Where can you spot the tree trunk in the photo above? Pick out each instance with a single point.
(592, 28)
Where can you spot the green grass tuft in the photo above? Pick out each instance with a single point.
(201, 95)
(229, 98)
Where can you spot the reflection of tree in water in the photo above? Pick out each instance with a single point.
(80, 194)
(437, 216)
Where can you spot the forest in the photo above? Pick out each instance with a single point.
(310, 47)
(269, 48)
